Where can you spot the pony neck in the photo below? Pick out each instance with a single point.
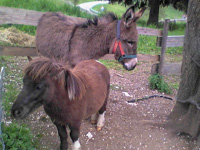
(103, 38)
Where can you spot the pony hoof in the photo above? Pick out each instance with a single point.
(93, 121)
(76, 145)
(99, 128)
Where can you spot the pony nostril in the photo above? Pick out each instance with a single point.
(126, 67)
(133, 67)
(17, 113)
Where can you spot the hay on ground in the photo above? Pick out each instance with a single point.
(12, 36)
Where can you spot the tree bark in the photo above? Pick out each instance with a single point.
(185, 116)
(154, 12)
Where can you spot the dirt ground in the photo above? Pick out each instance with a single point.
(135, 126)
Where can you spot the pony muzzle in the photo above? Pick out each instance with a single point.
(19, 112)
(130, 64)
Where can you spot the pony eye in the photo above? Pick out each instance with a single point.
(130, 42)
(38, 87)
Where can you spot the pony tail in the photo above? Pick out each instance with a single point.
(74, 86)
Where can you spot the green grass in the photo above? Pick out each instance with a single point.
(80, 1)
(111, 64)
(177, 28)
(170, 13)
(175, 85)
(147, 45)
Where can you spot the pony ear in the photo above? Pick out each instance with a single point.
(139, 13)
(72, 85)
(130, 15)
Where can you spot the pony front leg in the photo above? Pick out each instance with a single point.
(74, 134)
(63, 136)
(94, 118)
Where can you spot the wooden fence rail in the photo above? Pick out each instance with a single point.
(17, 51)
(172, 41)
(31, 51)
(26, 17)
(175, 20)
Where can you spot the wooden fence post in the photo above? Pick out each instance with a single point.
(163, 45)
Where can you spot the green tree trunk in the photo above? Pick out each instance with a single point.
(185, 117)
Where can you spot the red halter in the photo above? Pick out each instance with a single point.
(118, 43)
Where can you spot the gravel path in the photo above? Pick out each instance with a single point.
(88, 6)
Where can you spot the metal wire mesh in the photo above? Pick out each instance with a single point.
(1, 109)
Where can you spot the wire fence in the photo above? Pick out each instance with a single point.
(1, 109)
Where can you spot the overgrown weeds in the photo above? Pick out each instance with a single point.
(156, 82)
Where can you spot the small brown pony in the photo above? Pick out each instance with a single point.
(59, 37)
(68, 95)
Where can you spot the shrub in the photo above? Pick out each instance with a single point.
(17, 137)
(157, 82)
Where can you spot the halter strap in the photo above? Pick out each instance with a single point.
(118, 43)
(118, 29)
(126, 57)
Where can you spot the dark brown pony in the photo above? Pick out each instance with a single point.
(68, 96)
(58, 36)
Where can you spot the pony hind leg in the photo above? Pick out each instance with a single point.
(101, 121)
(101, 117)
(94, 118)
